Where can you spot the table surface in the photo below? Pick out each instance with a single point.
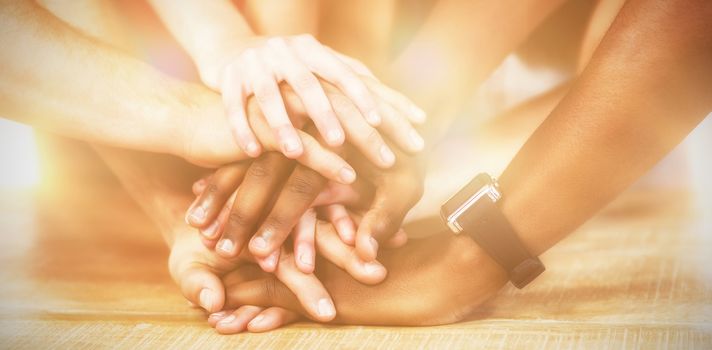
(639, 275)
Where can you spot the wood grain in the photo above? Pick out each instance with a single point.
(638, 276)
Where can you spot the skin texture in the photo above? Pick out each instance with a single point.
(443, 260)
(620, 118)
(236, 61)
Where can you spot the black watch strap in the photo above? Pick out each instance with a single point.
(486, 225)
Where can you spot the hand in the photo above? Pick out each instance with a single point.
(272, 194)
(257, 68)
(437, 280)
(386, 194)
(272, 180)
(198, 272)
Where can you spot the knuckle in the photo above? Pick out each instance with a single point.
(341, 103)
(258, 170)
(415, 188)
(302, 186)
(305, 38)
(305, 82)
(239, 218)
(212, 188)
(270, 289)
(264, 92)
(277, 221)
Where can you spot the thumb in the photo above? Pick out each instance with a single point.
(199, 285)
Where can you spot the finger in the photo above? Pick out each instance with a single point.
(234, 98)
(362, 135)
(267, 291)
(333, 70)
(212, 232)
(399, 130)
(384, 218)
(325, 162)
(354, 194)
(215, 317)
(397, 240)
(237, 321)
(344, 256)
(263, 177)
(315, 155)
(269, 264)
(304, 250)
(299, 191)
(199, 285)
(219, 188)
(309, 290)
(309, 90)
(272, 318)
(414, 113)
(269, 99)
(338, 216)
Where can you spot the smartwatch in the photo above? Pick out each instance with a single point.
(474, 211)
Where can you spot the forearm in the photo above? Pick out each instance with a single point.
(207, 30)
(647, 86)
(459, 45)
(159, 184)
(56, 78)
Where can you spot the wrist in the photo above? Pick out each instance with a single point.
(204, 137)
(212, 59)
(525, 210)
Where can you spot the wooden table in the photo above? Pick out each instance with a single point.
(78, 276)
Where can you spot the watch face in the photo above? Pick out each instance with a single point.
(465, 196)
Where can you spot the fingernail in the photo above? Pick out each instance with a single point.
(325, 308)
(220, 314)
(387, 155)
(209, 232)
(228, 320)
(373, 118)
(334, 136)
(290, 145)
(416, 140)
(374, 245)
(347, 175)
(226, 245)
(256, 321)
(418, 113)
(259, 242)
(307, 258)
(206, 298)
(271, 260)
(372, 267)
(252, 149)
(197, 214)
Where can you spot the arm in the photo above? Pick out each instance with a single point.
(207, 30)
(647, 86)
(237, 62)
(56, 78)
(460, 44)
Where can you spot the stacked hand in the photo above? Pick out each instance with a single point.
(256, 68)
(265, 210)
